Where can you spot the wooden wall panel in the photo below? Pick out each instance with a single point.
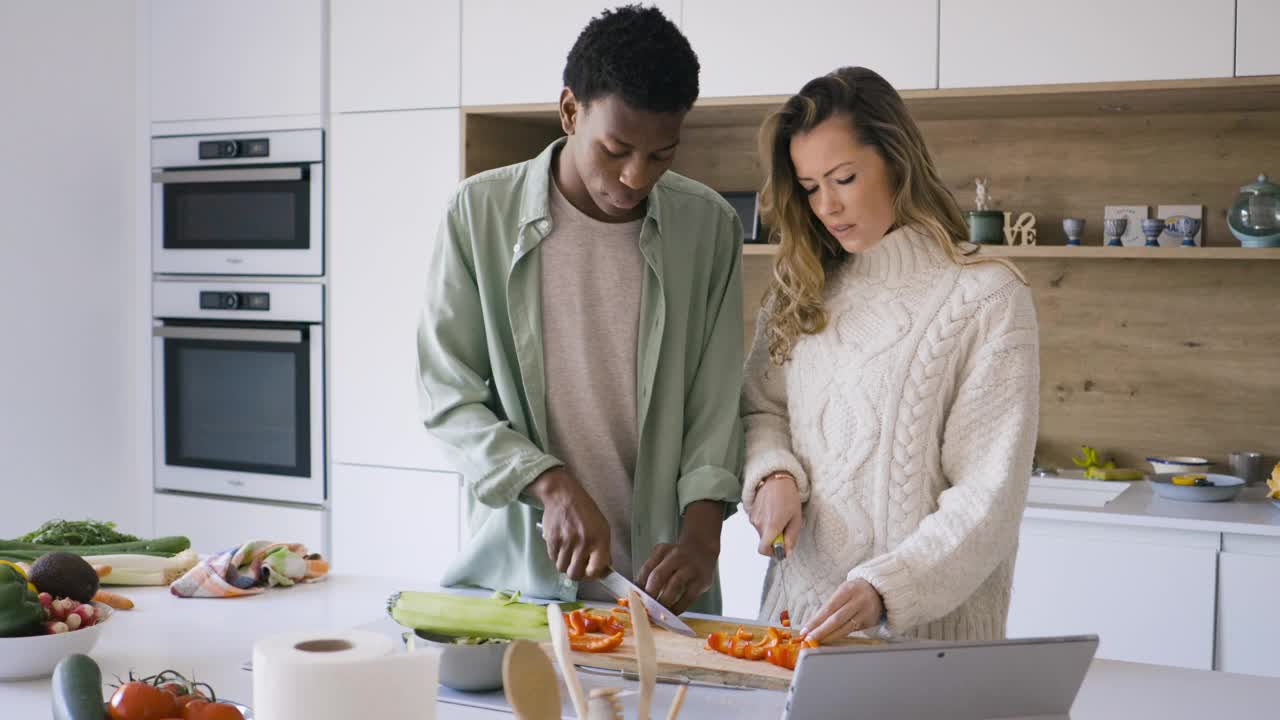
(1073, 167)
(1138, 357)
(1145, 357)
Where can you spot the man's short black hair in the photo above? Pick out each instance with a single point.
(637, 54)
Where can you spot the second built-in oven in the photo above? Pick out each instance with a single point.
(238, 374)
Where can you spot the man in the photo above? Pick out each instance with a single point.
(581, 340)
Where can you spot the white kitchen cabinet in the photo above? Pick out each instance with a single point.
(395, 523)
(761, 47)
(393, 54)
(1257, 52)
(390, 177)
(1013, 42)
(215, 524)
(1248, 595)
(236, 59)
(514, 52)
(1148, 593)
(742, 567)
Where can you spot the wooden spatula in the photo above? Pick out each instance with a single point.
(560, 641)
(530, 682)
(646, 654)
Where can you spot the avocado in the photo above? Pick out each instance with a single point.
(63, 574)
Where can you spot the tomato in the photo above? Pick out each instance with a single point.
(216, 711)
(185, 700)
(192, 710)
(139, 701)
(175, 689)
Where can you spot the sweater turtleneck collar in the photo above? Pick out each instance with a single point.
(903, 252)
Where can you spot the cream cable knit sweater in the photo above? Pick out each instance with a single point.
(909, 423)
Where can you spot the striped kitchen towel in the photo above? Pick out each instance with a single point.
(250, 569)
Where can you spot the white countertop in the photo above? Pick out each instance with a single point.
(212, 639)
(1251, 513)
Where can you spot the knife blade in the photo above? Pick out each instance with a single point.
(621, 587)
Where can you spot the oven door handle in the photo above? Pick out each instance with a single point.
(227, 175)
(187, 332)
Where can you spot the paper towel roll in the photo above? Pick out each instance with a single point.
(346, 675)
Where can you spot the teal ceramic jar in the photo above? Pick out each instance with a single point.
(986, 227)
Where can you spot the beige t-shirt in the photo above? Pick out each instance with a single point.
(592, 274)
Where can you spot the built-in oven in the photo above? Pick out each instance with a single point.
(238, 374)
(238, 204)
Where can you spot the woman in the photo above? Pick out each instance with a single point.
(892, 388)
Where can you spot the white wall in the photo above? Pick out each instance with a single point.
(69, 280)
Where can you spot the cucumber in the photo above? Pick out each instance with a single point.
(77, 689)
(470, 616)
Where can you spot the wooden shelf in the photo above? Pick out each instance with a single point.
(1093, 252)
(1212, 95)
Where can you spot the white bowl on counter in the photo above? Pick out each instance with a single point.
(36, 655)
(464, 667)
(1220, 489)
(1179, 464)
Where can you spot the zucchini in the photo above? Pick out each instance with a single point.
(469, 616)
(77, 689)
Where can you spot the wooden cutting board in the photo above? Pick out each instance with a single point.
(689, 657)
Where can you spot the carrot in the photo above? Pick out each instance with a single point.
(102, 570)
(119, 602)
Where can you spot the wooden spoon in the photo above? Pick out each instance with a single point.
(530, 682)
(560, 641)
(677, 702)
(646, 654)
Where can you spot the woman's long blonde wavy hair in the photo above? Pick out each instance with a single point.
(806, 249)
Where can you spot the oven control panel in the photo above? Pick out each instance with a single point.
(223, 149)
(219, 300)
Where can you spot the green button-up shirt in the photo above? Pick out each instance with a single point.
(482, 386)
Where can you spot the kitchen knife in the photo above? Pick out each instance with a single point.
(620, 587)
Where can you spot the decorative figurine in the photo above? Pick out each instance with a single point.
(1074, 228)
(1026, 227)
(1152, 227)
(984, 223)
(1114, 229)
(983, 199)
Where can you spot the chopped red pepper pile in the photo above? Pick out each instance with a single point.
(778, 647)
(592, 632)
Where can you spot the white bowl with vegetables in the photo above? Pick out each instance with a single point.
(35, 656)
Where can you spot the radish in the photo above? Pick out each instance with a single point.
(88, 615)
(53, 627)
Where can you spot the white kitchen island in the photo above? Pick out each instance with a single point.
(213, 639)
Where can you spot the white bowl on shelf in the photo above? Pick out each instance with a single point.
(1179, 464)
(35, 656)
